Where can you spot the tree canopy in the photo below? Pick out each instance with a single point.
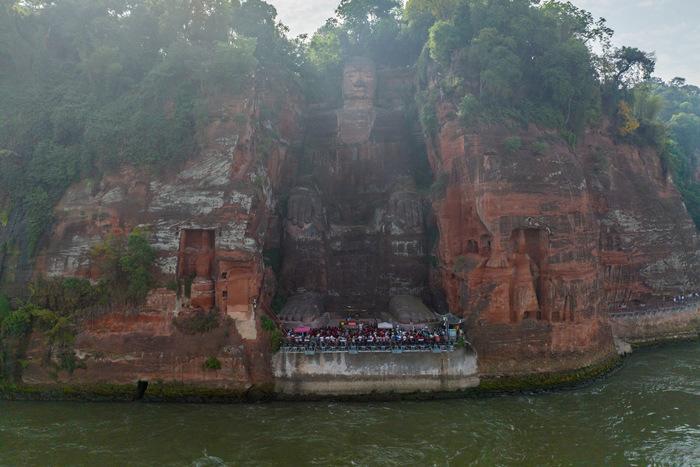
(89, 84)
(86, 85)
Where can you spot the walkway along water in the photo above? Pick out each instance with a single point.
(658, 324)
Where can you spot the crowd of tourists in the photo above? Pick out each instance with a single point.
(686, 298)
(365, 338)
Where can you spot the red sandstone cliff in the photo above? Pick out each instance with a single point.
(208, 221)
(535, 240)
(538, 240)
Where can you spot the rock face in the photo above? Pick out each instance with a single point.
(530, 241)
(538, 240)
(355, 226)
(207, 221)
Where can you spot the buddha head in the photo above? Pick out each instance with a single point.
(359, 81)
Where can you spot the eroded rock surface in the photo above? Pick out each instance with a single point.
(207, 220)
(531, 246)
(355, 225)
(537, 244)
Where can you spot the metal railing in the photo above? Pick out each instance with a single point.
(313, 348)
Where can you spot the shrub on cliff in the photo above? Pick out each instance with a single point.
(4, 307)
(469, 109)
(17, 323)
(512, 144)
(212, 363)
(444, 38)
(273, 332)
(66, 296)
(125, 264)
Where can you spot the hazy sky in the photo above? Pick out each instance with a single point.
(671, 28)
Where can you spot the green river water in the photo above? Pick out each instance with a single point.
(647, 413)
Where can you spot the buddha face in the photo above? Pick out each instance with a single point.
(359, 81)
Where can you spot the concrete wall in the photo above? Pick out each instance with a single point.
(657, 326)
(344, 374)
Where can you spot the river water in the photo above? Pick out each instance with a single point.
(646, 413)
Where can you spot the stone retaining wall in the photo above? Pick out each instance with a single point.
(345, 374)
(651, 326)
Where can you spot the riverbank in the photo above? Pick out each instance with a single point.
(644, 413)
(651, 327)
(380, 377)
(180, 393)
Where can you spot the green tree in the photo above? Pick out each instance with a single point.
(498, 66)
(631, 67)
(125, 264)
(444, 39)
(17, 323)
(685, 129)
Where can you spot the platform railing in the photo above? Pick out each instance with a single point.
(313, 348)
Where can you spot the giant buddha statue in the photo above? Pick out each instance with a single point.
(354, 227)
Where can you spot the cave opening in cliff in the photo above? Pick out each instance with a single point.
(196, 255)
(141, 388)
(195, 267)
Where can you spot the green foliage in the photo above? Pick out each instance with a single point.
(125, 264)
(569, 137)
(427, 112)
(685, 130)
(87, 85)
(444, 39)
(601, 161)
(276, 340)
(494, 56)
(676, 131)
(518, 60)
(67, 296)
(632, 66)
(645, 104)
(540, 147)
(39, 214)
(212, 363)
(136, 263)
(267, 324)
(68, 361)
(4, 306)
(417, 10)
(370, 28)
(362, 18)
(273, 259)
(274, 332)
(512, 144)
(469, 109)
(17, 323)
